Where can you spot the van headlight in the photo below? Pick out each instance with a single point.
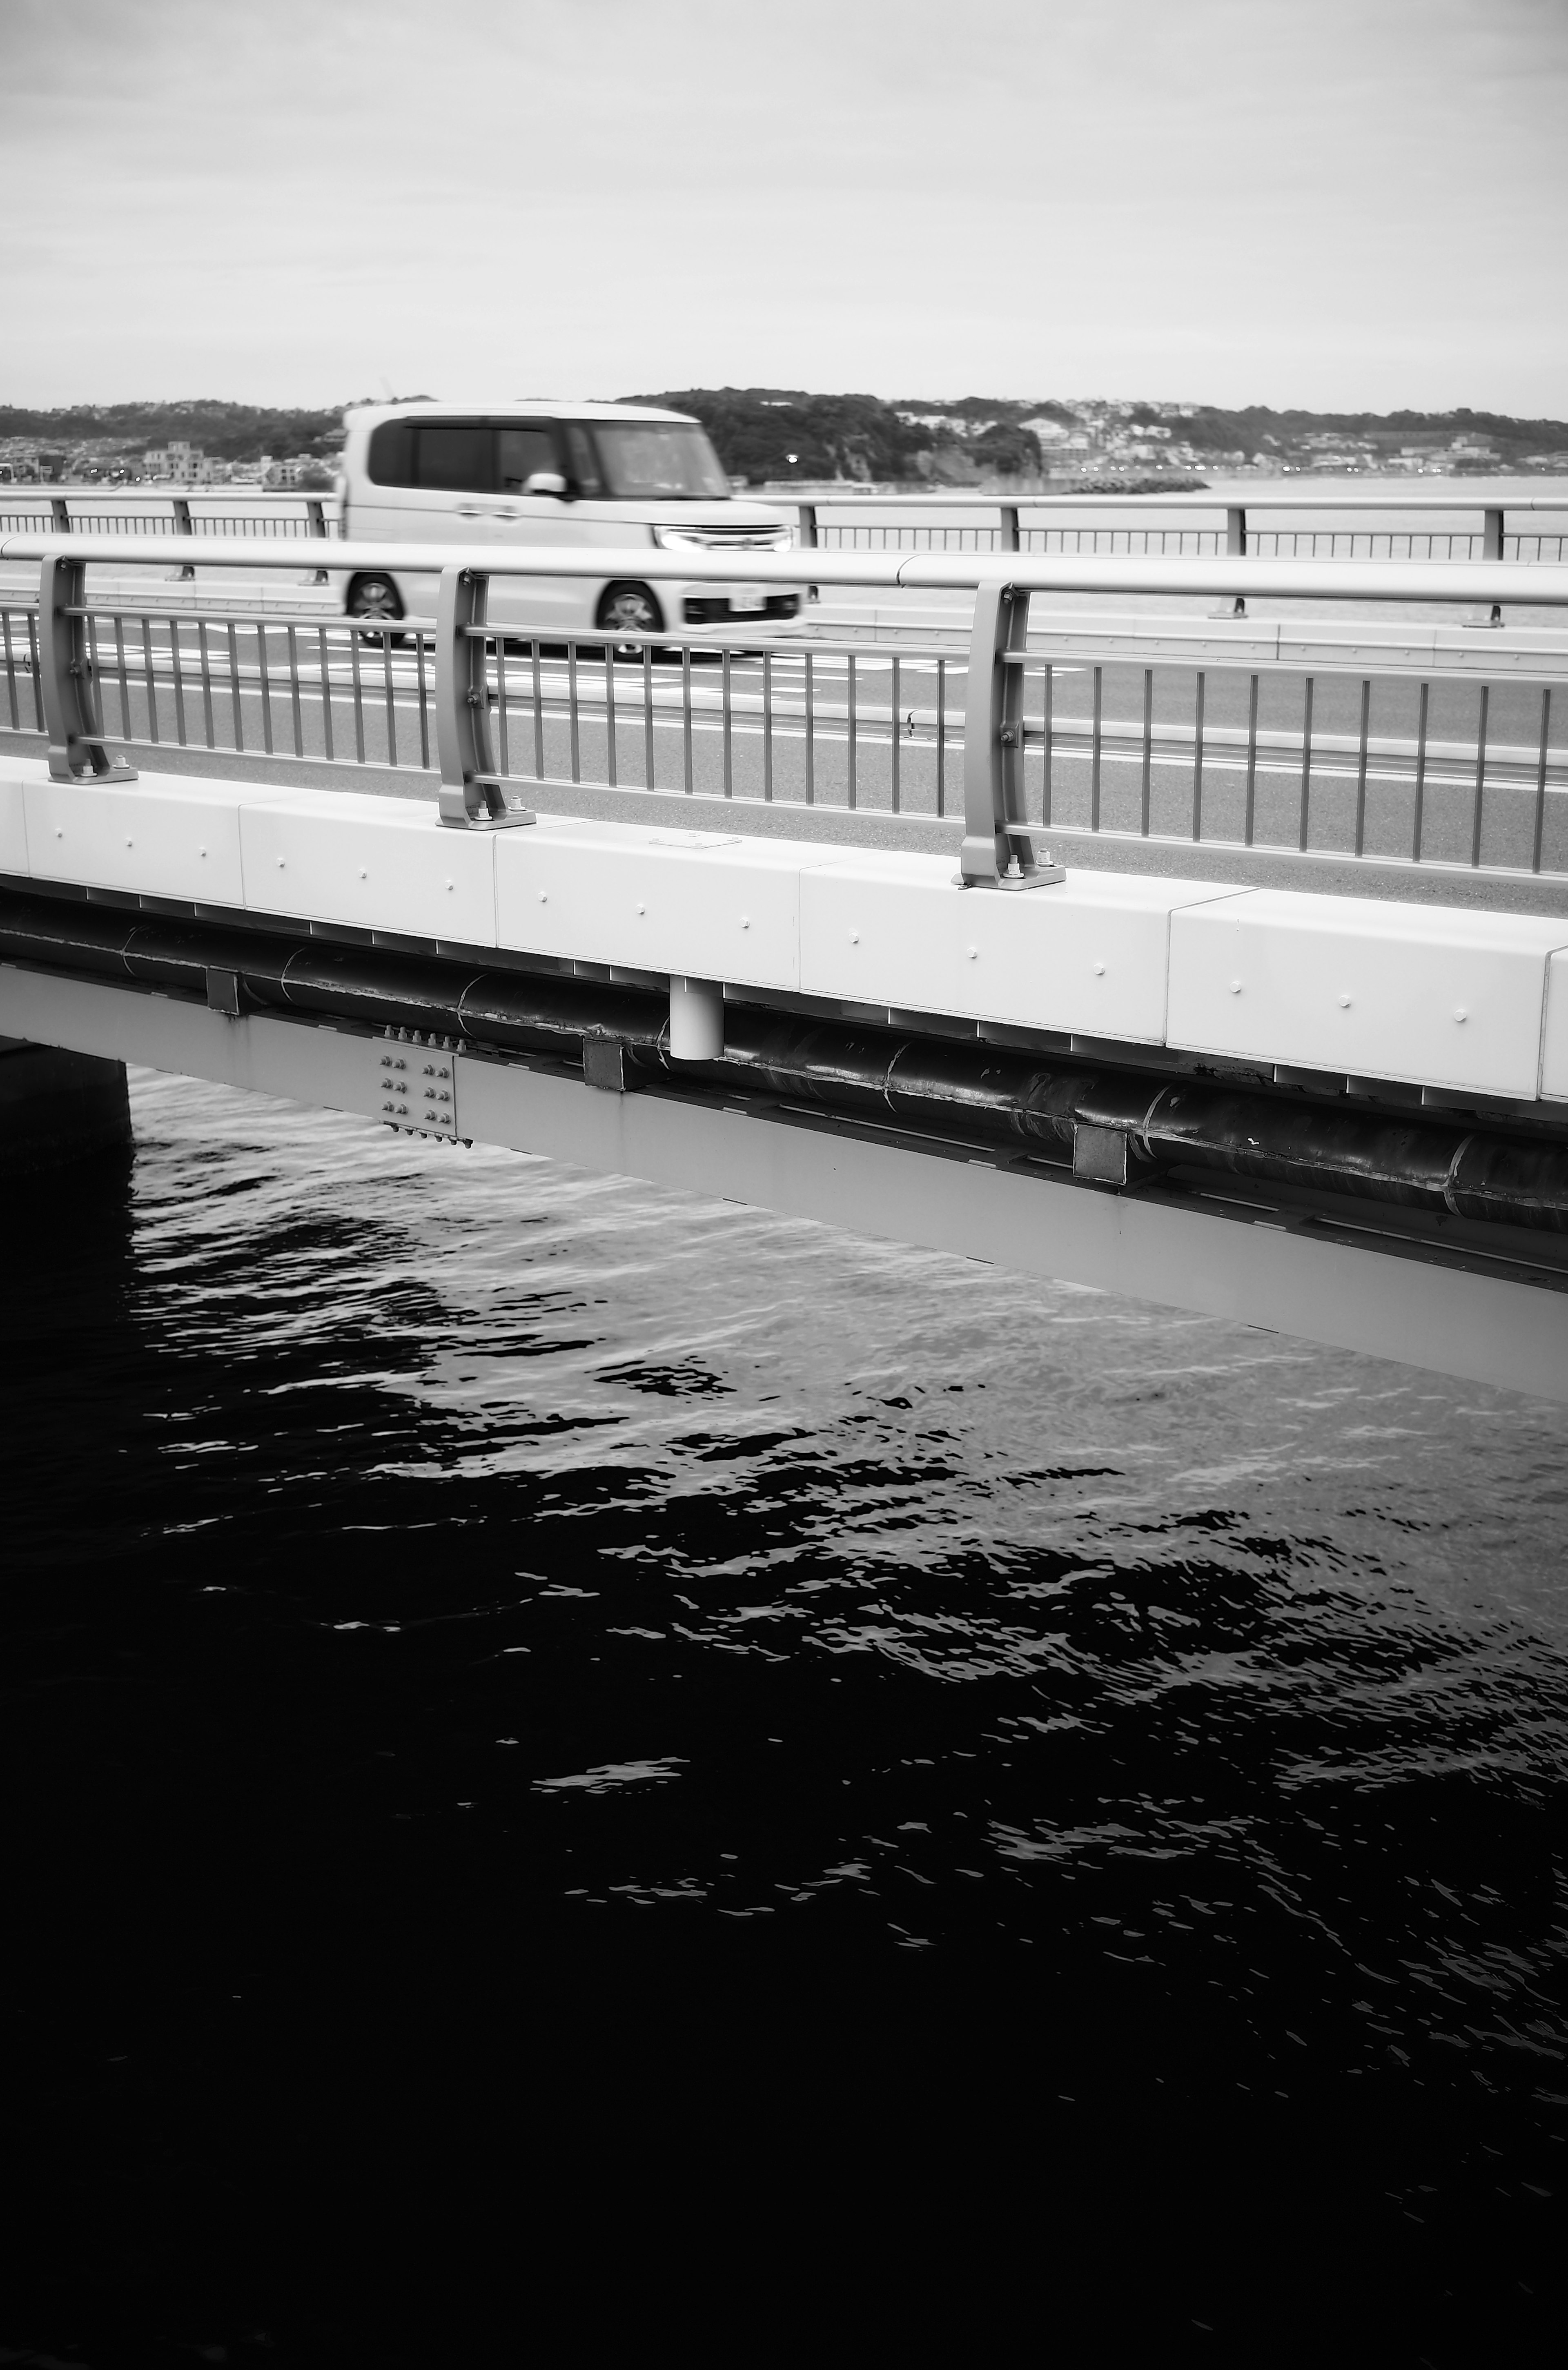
(679, 538)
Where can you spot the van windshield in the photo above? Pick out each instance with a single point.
(667, 463)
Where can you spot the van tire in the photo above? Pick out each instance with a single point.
(633, 607)
(376, 596)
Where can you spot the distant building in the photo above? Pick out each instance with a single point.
(305, 469)
(180, 464)
(954, 423)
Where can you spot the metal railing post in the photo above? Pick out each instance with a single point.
(1491, 548)
(1235, 548)
(60, 514)
(316, 526)
(471, 797)
(76, 749)
(1006, 537)
(808, 526)
(182, 526)
(998, 851)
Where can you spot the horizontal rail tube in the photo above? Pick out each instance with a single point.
(1529, 583)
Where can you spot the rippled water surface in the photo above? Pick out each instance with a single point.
(438, 1574)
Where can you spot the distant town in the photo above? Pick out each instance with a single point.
(776, 439)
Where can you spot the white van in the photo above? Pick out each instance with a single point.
(578, 474)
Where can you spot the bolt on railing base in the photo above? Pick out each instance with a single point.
(456, 807)
(65, 763)
(513, 819)
(1044, 876)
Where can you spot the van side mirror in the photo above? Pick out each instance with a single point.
(544, 481)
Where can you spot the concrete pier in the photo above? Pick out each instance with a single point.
(57, 1108)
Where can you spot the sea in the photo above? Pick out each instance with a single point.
(546, 1706)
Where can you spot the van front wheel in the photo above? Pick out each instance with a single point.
(376, 599)
(628, 609)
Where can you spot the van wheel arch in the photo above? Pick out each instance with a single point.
(373, 594)
(634, 607)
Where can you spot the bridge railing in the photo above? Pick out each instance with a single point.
(1528, 527)
(1354, 761)
(158, 510)
(1195, 525)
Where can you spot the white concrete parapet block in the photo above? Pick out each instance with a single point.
(164, 837)
(14, 828)
(702, 903)
(1555, 1036)
(1087, 955)
(369, 863)
(1425, 994)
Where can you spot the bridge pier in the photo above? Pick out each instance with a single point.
(57, 1108)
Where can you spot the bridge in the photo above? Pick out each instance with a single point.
(1218, 962)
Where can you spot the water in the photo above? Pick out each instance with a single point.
(483, 1639)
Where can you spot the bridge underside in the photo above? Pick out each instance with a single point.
(1486, 1304)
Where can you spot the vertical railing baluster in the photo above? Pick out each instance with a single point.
(297, 715)
(647, 676)
(179, 681)
(1147, 785)
(853, 750)
(422, 694)
(206, 681)
(612, 755)
(539, 715)
(149, 676)
(357, 681)
(686, 714)
(35, 659)
(11, 674)
(391, 710)
(811, 739)
(768, 724)
(324, 663)
(233, 686)
(1361, 764)
(1420, 818)
(727, 698)
(505, 745)
(941, 737)
(1094, 747)
(93, 663)
(1304, 822)
(1541, 780)
(574, 722)
(893, 745)
(267, 688)
(1480, 774)
(1198, 757)
(1048, 721)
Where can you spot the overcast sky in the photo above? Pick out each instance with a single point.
(1334, 203)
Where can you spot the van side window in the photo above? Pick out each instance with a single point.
(457, 460)
(390, 460)
(582, 462)
(520, 451)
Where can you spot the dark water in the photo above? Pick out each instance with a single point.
(529, 1690)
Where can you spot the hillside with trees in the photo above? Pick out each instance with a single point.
(229, 431)
(790, 435)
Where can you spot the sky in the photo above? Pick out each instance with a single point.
(1344, 204)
